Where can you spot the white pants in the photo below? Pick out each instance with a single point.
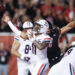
(40, 67)
(23, 67)
(66, 66)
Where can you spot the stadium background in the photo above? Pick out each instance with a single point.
(58, 12)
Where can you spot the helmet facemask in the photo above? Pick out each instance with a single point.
(43, 26)
(36, 28)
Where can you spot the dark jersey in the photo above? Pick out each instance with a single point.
(4, 56)
(54, 51)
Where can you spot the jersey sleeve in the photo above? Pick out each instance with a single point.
(16, 37)
(47, 39)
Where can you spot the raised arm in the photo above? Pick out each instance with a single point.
(12, 27)
(68, 27)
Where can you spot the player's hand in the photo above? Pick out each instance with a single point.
(25, 58)
(6, 18)
(22, 57)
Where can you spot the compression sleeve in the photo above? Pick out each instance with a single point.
(13, 28)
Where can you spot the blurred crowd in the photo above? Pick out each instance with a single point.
(57, 12)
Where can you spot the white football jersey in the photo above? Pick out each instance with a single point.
(42, 54)
(40, 61)
(26, 46)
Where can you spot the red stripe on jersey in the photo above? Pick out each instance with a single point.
(40, 69)
(73, 71)
(17, 36)
(47, 38)
(48, 70)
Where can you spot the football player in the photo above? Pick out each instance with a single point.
(41, 41)
(22, 47)
(54, 51)
(67, 65)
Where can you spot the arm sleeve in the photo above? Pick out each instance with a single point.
(13, 28)
(16, 37)
(48, 39)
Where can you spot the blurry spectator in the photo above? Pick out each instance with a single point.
(20, 8)
(73, 18)
(25, 18)
(1, 5)
(66, 10)
(60, 21)
(46, 7)
(2, 8)
(58, 8)
(49, 17)
(35, 2)
(4, 57)
(9, 6)
(71, 14)
(58, 12)
(31, 9)
(4, 27)
(38, 14)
